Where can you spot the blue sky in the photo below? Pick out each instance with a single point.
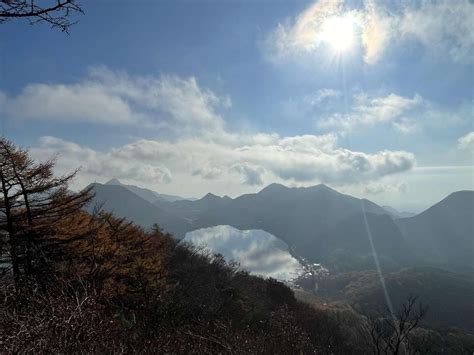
(185, 97)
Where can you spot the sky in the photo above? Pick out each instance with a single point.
(373, 98)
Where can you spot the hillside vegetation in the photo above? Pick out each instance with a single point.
(120, 289)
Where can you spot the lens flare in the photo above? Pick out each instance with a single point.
(339, 32)
(376, 260)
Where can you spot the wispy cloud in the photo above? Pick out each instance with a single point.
(441, 27)
(377, 30)
(322, 95)
(202, 148)
(86, 101)
(368, 111)
(466, 141)
(115, 98)
(304, 32)
(376, 188)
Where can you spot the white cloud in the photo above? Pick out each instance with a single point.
(377, 31)
(116, 98)
(201, 149)
(302, 159)
(376, 188)
(418, 189)
(466, 141)
(252, 174)
(256, 251)
(95, 164)
(208, 172)
(304, 33)
(442, 27)
(376, 110)
(88, 102)
(173, 98)
(321, 96)
(405, 125)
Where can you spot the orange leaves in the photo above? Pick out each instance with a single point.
(118, 257)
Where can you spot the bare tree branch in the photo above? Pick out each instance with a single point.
(57, 14)
(390, 333)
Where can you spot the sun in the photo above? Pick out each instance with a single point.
(339, 32)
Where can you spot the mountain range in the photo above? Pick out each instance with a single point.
(147, 194)
(122, 202)
(318, 223)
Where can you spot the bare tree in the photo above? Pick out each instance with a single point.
(391, 333)
(56, 13)
(32, 202)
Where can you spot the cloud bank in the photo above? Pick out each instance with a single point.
(193, 142)
(301, 159)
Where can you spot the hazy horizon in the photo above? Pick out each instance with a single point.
(410, 205)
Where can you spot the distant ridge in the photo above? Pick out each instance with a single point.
(318, 223)
(124, 203)
(147, 194)
(113, 181)
(398, 214)
(444, 233)
(304, 217)
(276, 187)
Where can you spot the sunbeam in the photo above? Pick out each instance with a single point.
(376, 259)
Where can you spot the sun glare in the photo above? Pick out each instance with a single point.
(339, 32)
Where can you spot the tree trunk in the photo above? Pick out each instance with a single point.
(10, 230)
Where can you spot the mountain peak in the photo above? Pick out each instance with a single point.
(113, 181)
(321, 187)
(210, 196)
(458, 201)
(460, 194)
(275, 187)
